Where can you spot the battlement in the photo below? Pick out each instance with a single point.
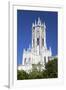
(38, 23)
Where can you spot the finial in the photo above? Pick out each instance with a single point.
(44, 25)
(39, 21)
(29, 47)
(32, 24)
(50, 50)
(24, 50)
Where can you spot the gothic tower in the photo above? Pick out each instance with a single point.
(39, 51)
(38, 36)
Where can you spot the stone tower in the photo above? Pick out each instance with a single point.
(38, 36)
(39, 51)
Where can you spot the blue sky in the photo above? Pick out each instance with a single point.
(25, 18)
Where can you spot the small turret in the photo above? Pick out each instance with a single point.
(39, 21)
(29, 47)
(44, 26)
(33, 25)
(24, 50)
(50, 50)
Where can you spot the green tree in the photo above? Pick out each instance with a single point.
(52, 68)
(21, 74)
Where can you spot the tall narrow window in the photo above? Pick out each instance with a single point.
(37, 41)
(29, 60)
(33, 42)
(45, 60)
(42, 42)
(25, 61)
